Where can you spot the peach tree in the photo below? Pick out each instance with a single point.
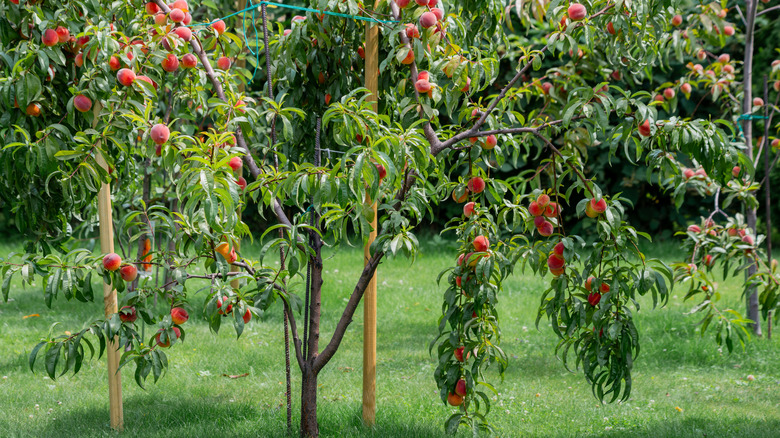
(190, 141)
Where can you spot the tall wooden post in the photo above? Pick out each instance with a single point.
(369, 297)
(109, 294)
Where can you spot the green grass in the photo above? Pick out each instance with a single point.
(677, 368)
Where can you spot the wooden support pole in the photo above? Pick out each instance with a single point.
(109, 295)
(369, 297)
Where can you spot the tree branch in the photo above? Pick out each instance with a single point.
(346, 318)
(573, 168)
(767, 10)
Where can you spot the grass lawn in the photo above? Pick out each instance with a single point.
(684, 385)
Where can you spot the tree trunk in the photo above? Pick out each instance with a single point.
(309, 426)
(751, 7)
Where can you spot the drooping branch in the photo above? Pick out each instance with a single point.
(346, 317)
(430, 134)
(254, 169)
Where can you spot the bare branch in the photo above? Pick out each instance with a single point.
(767, 10)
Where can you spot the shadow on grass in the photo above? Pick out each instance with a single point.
(147, 416)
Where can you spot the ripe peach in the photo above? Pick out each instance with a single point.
(112, 261)
(552, 210)
(128, 272)
(776, 143)
(776, 86)
(438, 13)
(168, 340)
(747, 238)
(114, 63)
(677, 20)
(241, 183)
(669, 93)
(599, 206)
(159, 133)
(127, 314)
(409, 58)
(577, 12)
(558, 249)
(79, 60)
(152, 8)
(125, 77)
(223, 248)
(147, 80)
(728, 30)
(235, 163)
(459, 354)
(223, 63)
(287, 32)
(184, 33)
(460, 388)
(708, 260)
(422, 2)
(82, 103)
(476, 185)
(423, 75)
(187, 19)
(160, 19)
(694, 229)
(644, 129)
(685, 88)
(189, 61)
(50, 37)
(422, 86)
(735, 171)
(468, 209)
(481, 244)
(454, 399)
(402, 3)
(490, 142)
(757, 101)
(543, 200)
(546, 87)
(535, 209)
(546, 229)
(611, 28)
(554, 262)
(181, 4)
(170, 63)
(589, 283)
(179, 316)
(33, 109)
(176, 15)
(247, 316)
(594, 298)
(412, 31)
(428, 19)
(604, 288)
(461, 198)
(361, 51)
(539, 221)
(63, 34)
(219, 26)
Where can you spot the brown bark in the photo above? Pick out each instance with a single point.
(309, 426)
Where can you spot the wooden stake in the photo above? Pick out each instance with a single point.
(369, 297)
(109, 295)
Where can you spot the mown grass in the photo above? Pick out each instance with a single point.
(684, 385)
